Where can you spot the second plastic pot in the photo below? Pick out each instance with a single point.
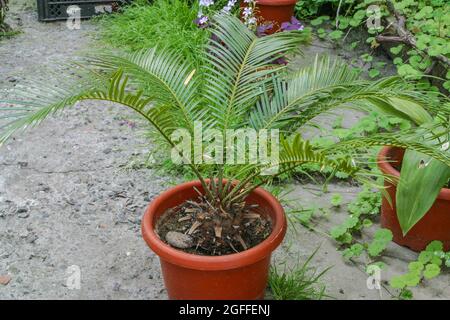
(435, 225)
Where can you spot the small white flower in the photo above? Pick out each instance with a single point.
(248, 1)
(247, 12)
(251, 20)
(206, 3)
(226, 9)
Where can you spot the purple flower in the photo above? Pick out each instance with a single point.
(294, 24)
(280, 61)
(263, 28)
(202, 22)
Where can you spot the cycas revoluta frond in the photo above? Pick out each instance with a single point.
(400, 139)
(238, 65)
(164, 75)
(36, 100)
(329, 84)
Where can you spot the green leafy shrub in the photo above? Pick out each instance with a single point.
(427, 20)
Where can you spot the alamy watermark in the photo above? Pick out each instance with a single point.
(73, 281)
(373, 13)
(373, 282)
(214, 146)
(73, 21)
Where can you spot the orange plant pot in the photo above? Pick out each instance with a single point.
(435, 225)
(274, 11)
(235, 276)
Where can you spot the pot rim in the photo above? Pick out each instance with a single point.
(225, 262)
(275, 3)
(386, 167)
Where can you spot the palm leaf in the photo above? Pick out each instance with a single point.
(163, 74)
(329, 84)
(238, 65)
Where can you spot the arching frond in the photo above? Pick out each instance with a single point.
(163, 74)
(329, 84)
(238, 65)
(412, 141)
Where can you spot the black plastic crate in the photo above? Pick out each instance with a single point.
(51, 10)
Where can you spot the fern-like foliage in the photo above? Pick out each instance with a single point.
(238, 85)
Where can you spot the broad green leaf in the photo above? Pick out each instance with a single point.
(405, 109)
(374, 73)
(406, 70)
(435, 246)
(421, 180)
(431, 271)
(415, 266)
(336, 34)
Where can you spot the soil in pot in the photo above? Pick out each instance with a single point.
(196, 227)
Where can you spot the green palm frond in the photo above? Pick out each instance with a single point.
(164, 75)
(238, 65)
(237, 84)
(35, 100)
(412, 141)
(329, 84)
(293, 154)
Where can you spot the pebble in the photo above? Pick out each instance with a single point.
(22, 164)
(179, 240)
(4, 280)
(22, 212)
(31, 238)
(116, 286)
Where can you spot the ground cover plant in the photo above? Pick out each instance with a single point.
(414, 32)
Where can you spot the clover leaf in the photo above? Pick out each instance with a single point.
(431, 271)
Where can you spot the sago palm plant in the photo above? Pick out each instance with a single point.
(237, 86)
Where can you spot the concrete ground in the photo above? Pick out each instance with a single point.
(70, 201)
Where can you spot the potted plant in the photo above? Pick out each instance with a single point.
(269, 13)
(215, 236)
(417, 208)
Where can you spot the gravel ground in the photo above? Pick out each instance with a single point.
(65, 197)
(69, 203)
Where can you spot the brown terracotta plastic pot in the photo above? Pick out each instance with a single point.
(274, 11)
(235, 276)
(435, 225)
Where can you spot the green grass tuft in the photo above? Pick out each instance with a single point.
(302, 282)
(167, 23)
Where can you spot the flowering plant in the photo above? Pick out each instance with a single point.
(248, 12)
(249, 17)
(205, 6)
